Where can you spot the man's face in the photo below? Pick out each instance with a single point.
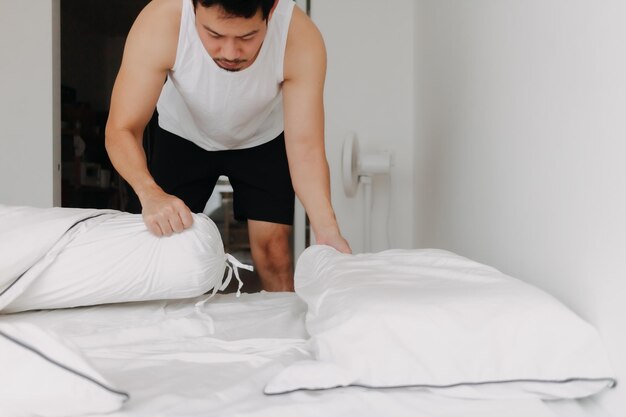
(232, 42)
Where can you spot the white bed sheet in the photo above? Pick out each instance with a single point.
(177, 361)
(587, 407)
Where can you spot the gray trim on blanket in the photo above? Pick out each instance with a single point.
(612, 383)
(64, 233)
(67, 368)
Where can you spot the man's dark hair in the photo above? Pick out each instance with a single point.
(239, 8)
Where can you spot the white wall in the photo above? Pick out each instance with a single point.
(369, 90)
(30, 153)
(521, 148)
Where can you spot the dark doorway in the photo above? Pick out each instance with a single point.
(93, 34)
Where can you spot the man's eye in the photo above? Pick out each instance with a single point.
(215, 36)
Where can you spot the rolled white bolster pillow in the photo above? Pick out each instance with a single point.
(114, 258)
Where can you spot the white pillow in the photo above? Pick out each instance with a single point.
(435, 320)
(95, 257)
(43, 376)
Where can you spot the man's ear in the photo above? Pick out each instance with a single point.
(269, 16)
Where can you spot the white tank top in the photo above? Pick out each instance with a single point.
(218, 109)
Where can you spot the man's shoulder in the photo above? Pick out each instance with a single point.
(163, 12)
(302, 29)
(305, 45)
(153, 38)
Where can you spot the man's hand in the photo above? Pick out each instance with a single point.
(165, 214)
(332, 238)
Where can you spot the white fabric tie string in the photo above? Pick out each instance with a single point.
(233, 265)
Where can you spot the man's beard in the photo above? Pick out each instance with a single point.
(235, 64)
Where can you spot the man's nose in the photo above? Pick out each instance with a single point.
(230, 51)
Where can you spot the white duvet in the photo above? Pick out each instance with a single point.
(174, 363)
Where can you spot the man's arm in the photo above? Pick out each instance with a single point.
(149, 52)
(303, 91)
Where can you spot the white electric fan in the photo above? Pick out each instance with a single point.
(359, 168)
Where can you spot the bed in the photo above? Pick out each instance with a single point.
(420, 332)
(175, 360)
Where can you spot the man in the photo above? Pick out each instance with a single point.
(243, 98)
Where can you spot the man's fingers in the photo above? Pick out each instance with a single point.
(186, 217)
(181, 218)
(346, 249)
(154, 228)
(165, 226)
(343, 247)
(166, 214)
(176, 223)
(337, 242)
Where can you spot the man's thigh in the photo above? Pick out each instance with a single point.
(261, 183)
(182, 169)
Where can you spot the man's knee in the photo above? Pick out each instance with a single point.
(273, 252)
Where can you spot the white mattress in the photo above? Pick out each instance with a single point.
(177, 361)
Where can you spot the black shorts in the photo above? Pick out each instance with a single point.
(262, 188)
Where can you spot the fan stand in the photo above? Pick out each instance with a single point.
(360, 168)
(366, 180)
